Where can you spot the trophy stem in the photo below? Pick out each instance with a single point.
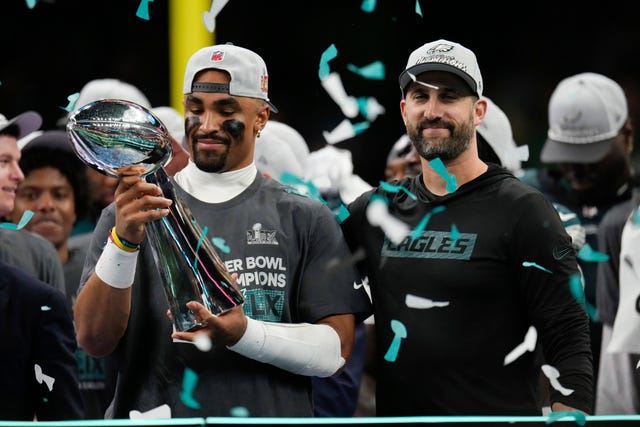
(189, 264)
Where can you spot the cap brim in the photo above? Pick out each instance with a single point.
(418, 69)
(52, 140)
(27, 122)
(272, 107)
(562, 152)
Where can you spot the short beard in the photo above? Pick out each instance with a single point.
(207, 162)
(444, 148)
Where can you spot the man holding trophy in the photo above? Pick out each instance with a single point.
(287, 315)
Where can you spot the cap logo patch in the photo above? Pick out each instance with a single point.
(569, 121)
(442, 47)
(217, 55)
(264, 83)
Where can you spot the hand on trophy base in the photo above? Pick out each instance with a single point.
(224, 329)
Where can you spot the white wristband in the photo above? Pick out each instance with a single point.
(301, 348)
(116, 267)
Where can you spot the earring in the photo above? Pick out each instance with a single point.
(258, 134)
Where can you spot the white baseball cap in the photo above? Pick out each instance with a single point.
(247, 69)
(274, 157)
(443, 55)
(586, 113)
(496, 130)
(282, 131)
(27, 122)
(97, 89)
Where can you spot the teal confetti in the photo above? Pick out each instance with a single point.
(143, 9)
(379, 198)
(358, 128)
(373, 71)
(288, 178)
(26, 217)
(362, 101)
(293, 190)
(31, 3)
(200, 239)
(578, 416)
(45, 308)
(577, 290)
(586, 253)
(240, 412)
(533, 264)
(221, 244)
(73, 98)
(368, 5)
(369, 108)
(418, 9)
(437, 165)
(417, 232)
(455, 234)
(327, 56)
(189, 382)
(341, 213)
(400, 332)
(397, 188)
(575, 286)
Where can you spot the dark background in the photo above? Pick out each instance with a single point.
(524, 49)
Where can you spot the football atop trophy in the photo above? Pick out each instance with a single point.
(111, 133)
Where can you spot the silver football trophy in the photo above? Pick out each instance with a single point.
(110, 134)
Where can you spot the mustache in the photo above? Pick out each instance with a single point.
(213, 136)
(435, 122)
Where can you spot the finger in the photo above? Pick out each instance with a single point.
(185, 336)
(199, 310)
(131, 170)
(132, 188)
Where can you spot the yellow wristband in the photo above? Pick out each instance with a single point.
(121, 243)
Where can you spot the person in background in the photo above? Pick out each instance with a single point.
(295, 324)
(588, 151)
(55, 190)
(618, 390)
(403, 160)
(460, 266)
(38, 370)
(19, 247)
